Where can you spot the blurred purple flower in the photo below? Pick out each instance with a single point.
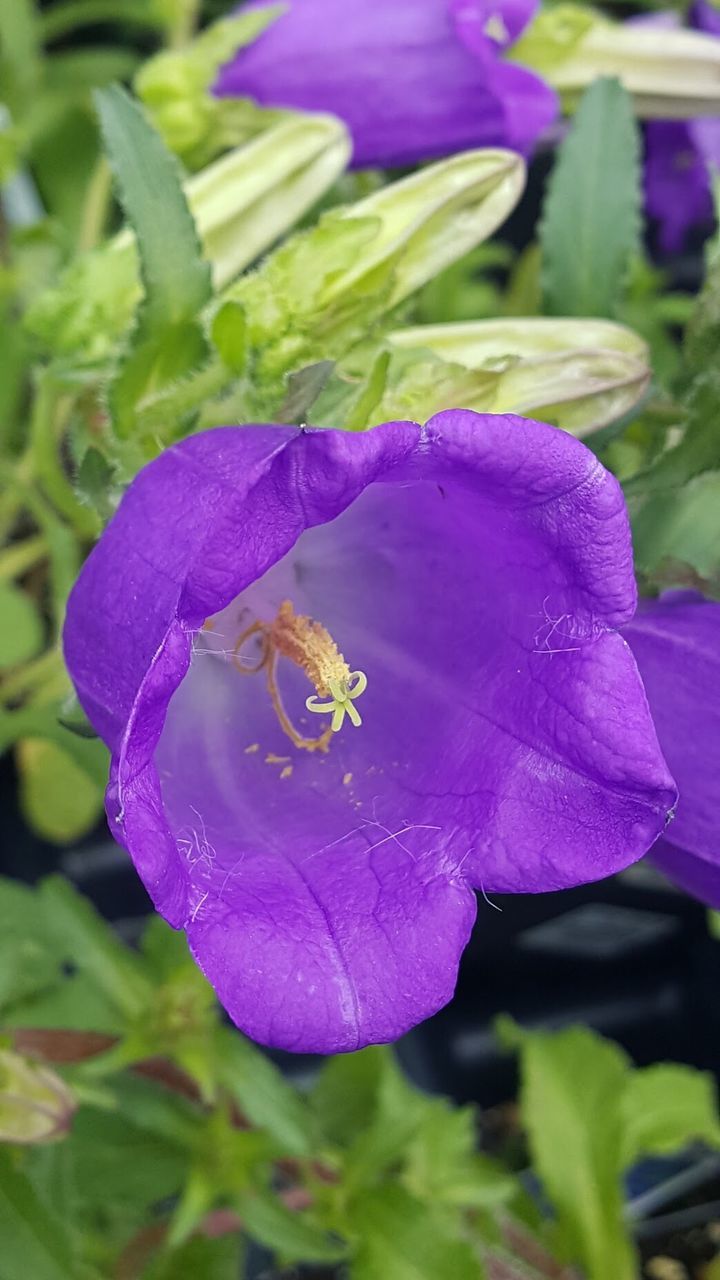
(679, 155)
(476, 569)
(676, 643)
(412, 79)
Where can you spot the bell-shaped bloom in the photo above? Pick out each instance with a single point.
(680, 155)
(316, 823)
(676, 643)
(412, 79)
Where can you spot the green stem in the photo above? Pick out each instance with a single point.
(64, 18)
(63, 551)
(31, 677)
(49, 411)
(96, 206)
(15, 560)
(183, 28)
(183, 398)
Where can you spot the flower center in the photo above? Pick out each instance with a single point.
(311, 647)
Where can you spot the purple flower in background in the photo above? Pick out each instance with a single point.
(412, 79)
(474, 573)
(679, 155)
(676, 643)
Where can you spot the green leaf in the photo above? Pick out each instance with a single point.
(264, 1096)
(293, 1236)
(573, 1084)
(199, 1259)
(44, 722)
(57, 797)
(73, 718)
(167, 341)
(303, 389)
(367, 1106)
(21, 634)
(345, 1094)
(118, 1161)
(19, 37)
(28, 964)
(443, 1166)
(93, 947)
(97, 485)
(697, 451)
(398, 1236)
(229, 336)
(177, 281)
(665, 1107)
(591, 217)
(677, 542)
(34, 1242)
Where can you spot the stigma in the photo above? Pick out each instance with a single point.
(309, 645)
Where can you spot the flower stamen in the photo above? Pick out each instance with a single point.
(311, 647)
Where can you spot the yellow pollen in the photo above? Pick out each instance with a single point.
(254, 746)
(287, 771)
(309, 645)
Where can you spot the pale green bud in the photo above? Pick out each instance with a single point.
(578, 374)
(671, 74)
(35, 1104)
(432, 218)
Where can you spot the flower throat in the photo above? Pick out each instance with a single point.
(311, 647)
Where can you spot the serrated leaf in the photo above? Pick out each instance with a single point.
(399, 1237)
(21, 633)
(591, 217)
(665, 1107)
(177, 281)
(167, 341)
(442, 1164)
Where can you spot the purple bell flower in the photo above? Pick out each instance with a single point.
(412, 79)
(676, 642)
(316, 823)
(679, 155)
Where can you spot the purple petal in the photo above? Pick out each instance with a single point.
(476, 21)
(697, 876)
(677, 186)
(396, 71)
(476, 569)
(705, 17)
(530, 105)
(676, 643)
